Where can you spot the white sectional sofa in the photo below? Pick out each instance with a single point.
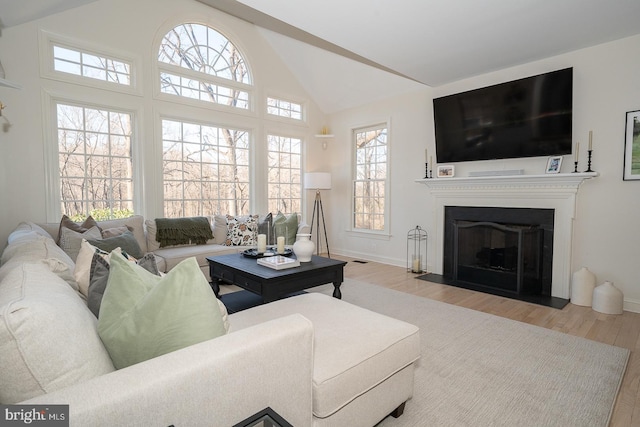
(168, 257)
(313, 359)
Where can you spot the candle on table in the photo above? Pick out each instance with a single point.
(280, 246)
(590, 140)
(262, 243)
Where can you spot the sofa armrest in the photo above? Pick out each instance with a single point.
(217, 382)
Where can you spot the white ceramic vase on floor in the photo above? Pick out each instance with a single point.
(303, 247)
(608, 299)
(583, 282)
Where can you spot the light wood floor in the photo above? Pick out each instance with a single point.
(619, 330)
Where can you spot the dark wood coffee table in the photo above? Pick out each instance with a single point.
(270, 284)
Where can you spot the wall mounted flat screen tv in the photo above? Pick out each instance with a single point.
(523, 118)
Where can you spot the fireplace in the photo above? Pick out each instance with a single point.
(555, 193)
(499, 249)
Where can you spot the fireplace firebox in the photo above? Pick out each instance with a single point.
(499, 250)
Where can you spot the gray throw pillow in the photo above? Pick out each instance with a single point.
(99, 277)
(126, 241)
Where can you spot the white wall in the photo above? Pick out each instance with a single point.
(606, 86)
(132, 28)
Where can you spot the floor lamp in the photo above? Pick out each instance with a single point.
(318, 181)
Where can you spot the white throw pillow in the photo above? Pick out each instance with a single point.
(82, 271)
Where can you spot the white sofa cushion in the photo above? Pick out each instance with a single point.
(27, 230)
(174, 255)
(37, 247)
(372, 347)
(41, 350)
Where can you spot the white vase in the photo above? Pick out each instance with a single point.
(608, 299)
(303, 247)
(583, 282)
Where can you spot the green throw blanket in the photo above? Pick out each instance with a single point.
(183, 231)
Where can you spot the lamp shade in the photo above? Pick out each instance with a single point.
(317, 181)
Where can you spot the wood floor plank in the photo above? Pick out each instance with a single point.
(620, 330)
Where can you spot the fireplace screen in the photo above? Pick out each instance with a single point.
(501, 256)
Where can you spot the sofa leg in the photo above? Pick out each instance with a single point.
(398, 411)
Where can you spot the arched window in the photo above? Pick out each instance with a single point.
(198, 62)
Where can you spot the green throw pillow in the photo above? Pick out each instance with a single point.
(125, 241)
(286, 226)
(144, 316)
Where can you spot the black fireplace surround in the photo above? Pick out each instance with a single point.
(503, 251)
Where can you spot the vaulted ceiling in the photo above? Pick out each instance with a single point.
(346, 53)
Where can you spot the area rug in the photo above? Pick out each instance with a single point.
(478, 369)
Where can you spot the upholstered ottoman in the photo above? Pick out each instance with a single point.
(363, 361)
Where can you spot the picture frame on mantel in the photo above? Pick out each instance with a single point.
(632, 146)
(553, 164)
(446, 171)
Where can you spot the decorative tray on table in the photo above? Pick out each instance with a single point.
(271, 251)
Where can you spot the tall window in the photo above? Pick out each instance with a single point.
(94, 155)
(284, 185)
(198, 62)
(369, 186)
(205, 170)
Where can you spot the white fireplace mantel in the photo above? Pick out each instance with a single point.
(549, 191)
(561, 181)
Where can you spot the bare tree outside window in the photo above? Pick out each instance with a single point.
(284, 186)
(94, 154)
(203, 172)
(205, 167)
(203, 65)
(369, 186)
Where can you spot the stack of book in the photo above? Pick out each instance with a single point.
(278, 262)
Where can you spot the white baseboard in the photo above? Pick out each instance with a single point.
(631, 305)
(368, 256)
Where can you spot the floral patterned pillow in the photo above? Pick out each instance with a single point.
(242, 230)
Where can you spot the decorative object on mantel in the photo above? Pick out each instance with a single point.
(417, 250)
(608, 299)
(589, 151)
(446, 171)
(324, 135)
(632, 146)
(553, 164)
(427, 162)
(583, 282)
(576, 157)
